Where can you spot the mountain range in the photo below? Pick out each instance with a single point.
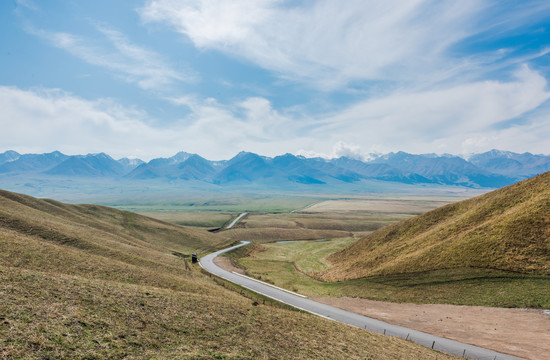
(491, 169)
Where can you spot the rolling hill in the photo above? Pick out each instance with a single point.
(90, 282)
(507, 229)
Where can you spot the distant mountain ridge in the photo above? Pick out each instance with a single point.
(491, 169)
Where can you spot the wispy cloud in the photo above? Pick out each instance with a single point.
(29, 4)
(420, 121)
(419, 85)
(251, 124)
(50, 119)
(469, 118)
(135, 64)
(329, 44)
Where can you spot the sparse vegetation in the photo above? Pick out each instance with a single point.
(507, 229)
(223, 202)
(199, 219)
(269, 227)
(89, 282)
(293, 266)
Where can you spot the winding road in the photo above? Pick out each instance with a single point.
(236, 219)
(346, 317)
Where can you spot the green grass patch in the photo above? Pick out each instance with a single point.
(290, 265)
(308, 256)
(218, 203)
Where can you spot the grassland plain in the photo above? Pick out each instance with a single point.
(269, 227)
(88, 282)
(382, 205)
(198, 219)
(224, 202)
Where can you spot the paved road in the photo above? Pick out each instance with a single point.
(326, 311)
(235, 221)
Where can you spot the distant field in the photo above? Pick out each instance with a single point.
(274, 234)
(411, 206)
(299, 226)
(331, 219)
(274, 218)
(223, 202)
(321, 221)
(199, 219)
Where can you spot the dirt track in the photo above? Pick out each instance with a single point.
(520, 332)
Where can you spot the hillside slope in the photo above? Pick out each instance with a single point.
(507, 229)
(89, 282)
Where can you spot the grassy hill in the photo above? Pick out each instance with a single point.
(506, 230)
(90, 282)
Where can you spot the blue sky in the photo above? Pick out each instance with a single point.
(319, 78)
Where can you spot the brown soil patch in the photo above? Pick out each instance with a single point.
(227, 264)
(519, 332)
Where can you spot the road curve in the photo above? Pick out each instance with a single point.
(235, 221)
(330, 312)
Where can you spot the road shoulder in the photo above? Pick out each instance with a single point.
(523, 333)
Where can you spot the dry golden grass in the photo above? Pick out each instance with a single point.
(321, 221)
(507, 229)
(308, 226)
(275, 234)
(88, 282)
(201, 219)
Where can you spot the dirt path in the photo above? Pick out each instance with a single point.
(523, 333)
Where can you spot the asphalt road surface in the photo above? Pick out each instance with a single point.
(235, 221)
(346, 317)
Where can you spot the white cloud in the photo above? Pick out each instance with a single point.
(441, 120)
(133, 63)
(252, 125)
(330, 43)
(463, 118)
(49, 119)
(348, 150)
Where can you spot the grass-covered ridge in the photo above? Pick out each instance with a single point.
(89, 282)
(507, 229)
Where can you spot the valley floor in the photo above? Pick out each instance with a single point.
(293, 264)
